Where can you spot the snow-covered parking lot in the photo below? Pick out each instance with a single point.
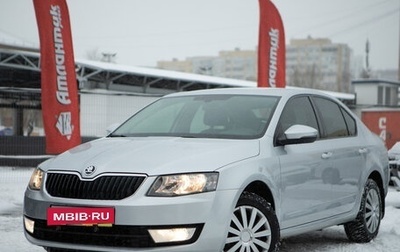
(14, 180)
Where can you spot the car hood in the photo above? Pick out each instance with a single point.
(153, 155)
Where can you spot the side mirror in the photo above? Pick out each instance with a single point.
(298, 134)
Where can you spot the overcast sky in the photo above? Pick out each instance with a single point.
(141, 32)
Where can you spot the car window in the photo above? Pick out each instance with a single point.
(298, 110)
(333, 120)
(166, 115)
(350, 122)
(211, 116)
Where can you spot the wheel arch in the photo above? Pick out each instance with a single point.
(261, 189)
(379, 181)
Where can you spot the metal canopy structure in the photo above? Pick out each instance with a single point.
(20, 69)
(93, 74)
(20, 77)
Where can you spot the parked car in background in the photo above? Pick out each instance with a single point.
(6, 131)
(394, 163)
(213, 170)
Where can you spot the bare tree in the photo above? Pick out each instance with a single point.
(307, 77)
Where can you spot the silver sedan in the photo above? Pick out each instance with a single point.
(213, 170)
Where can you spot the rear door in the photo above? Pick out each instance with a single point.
(347, 153)
(305, 197)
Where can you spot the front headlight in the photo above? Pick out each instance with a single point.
(35, 183)
(184, 184)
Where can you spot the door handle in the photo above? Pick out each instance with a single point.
(362, 150)
(326, 155)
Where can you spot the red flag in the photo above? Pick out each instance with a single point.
(60, 106)
(271, 47)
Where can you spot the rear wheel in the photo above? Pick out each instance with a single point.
(366, 226)
(254, 226)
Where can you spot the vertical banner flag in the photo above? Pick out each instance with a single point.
(60, 106)
(271, 47)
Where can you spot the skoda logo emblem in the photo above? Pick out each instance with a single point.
(89, 170)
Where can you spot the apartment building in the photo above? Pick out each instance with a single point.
(312, 63)
(318, 63)
(234, 64)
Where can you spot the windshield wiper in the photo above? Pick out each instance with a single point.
(188, 136)
(116, 135)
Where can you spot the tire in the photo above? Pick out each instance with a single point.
(254, 226)
(366, 226)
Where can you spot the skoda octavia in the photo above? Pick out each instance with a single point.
(213, 170)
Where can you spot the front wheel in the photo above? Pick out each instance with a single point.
(254, 226)
(366, 226)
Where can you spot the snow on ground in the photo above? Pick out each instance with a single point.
(12, 186)
(13, 182)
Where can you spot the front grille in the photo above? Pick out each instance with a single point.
(102, 188)
(116, 236)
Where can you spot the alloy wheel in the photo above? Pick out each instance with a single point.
(249, 230)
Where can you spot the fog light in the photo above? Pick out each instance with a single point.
(29, 225)
(171, 235)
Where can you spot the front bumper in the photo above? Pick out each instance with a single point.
(208, 213)
(116, 236)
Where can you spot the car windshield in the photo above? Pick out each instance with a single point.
(205, 116)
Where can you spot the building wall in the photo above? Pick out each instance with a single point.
(239, 64)
(367, 94)
(376, 92)
(318, 63)
(312, 63)
(99, 111)
(176, 65)
(234, 64)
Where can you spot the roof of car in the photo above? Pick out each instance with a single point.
(253, 91)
